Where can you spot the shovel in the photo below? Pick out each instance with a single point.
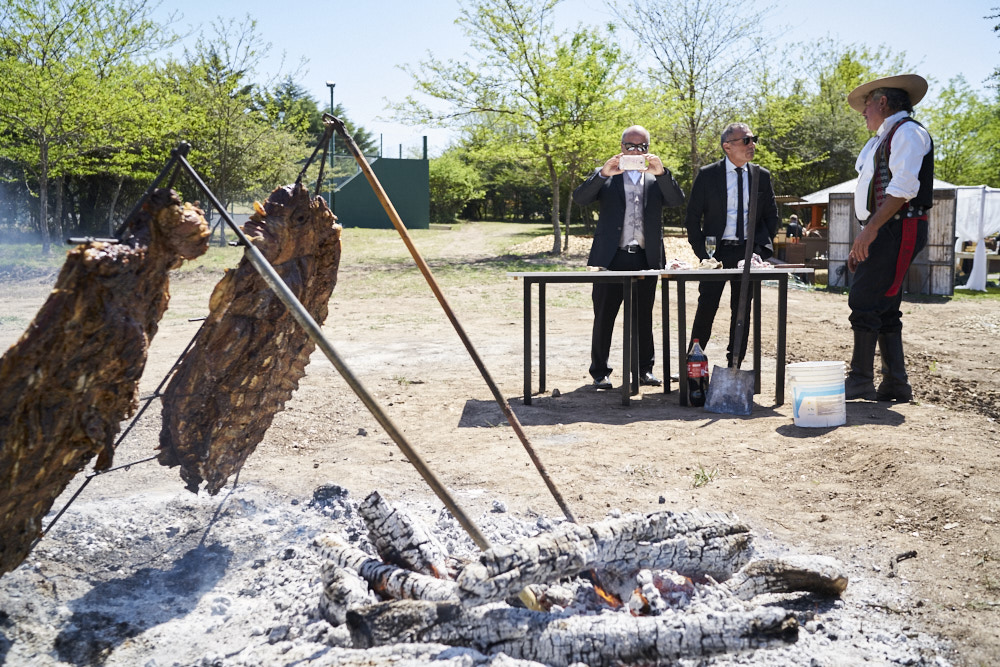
(730, 391)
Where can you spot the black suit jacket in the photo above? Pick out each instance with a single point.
(659, 191)
(706, 211)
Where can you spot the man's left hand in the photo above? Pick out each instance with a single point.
(654, 165)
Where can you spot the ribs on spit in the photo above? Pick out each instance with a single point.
(73, 376)
(250, 353)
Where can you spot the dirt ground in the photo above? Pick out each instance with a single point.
(896, 479)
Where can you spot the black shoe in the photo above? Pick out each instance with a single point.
(649, 380)
(603, 383)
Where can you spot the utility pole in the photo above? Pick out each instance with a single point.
(331, 85)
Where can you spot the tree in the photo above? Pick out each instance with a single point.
(70, 85)
(453, 183)
(811, 137)
(528, 88)
(966, 131)
(240, 145)
(708, 54)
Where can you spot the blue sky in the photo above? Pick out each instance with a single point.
(358, 44)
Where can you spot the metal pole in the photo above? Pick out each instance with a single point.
(331, 85)
(424, 269)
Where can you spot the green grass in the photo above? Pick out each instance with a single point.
(972, 295)
(377, 260)
(704, 477)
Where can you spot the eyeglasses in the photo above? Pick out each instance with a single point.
(642, 148)
(746, 140)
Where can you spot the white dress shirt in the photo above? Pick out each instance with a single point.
(910, 143)
(730, 233)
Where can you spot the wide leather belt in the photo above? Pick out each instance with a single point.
(731, 242)
(631, 249)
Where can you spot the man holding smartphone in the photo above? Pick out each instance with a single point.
(632, 188)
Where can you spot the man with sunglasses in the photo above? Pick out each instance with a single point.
(629, 237)
(894, 192)
(720, 206)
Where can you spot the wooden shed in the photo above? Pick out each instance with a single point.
(933, 269)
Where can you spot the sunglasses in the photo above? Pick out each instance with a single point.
(746, 140)
(642, 148)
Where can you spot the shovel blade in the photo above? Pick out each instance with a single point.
(730, 391)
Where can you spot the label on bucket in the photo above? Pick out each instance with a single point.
(819, 406)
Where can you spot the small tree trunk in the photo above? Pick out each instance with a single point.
(556, 229)
(569, 212)
(58, 214)
(111, 208)
(43, 200)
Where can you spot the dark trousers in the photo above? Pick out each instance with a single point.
(607, 302)
(871, 309)
(709, 296)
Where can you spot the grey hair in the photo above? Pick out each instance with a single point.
(636, 128)
(731, 128)
(896, 99)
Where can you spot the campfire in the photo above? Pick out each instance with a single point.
(630, 589)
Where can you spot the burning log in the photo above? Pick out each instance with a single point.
(694, 544)
(387, 580)
(251, 353)
(401, 541)
(813, 574)
(71, 379)
(553, 639)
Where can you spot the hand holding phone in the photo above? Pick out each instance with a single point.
(632, 162)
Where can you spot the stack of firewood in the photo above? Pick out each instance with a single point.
(653, 588)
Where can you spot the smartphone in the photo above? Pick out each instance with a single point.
(630, 162)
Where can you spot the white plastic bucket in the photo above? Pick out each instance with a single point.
(817, 393)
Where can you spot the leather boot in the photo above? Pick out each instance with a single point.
(894, 385)
(860, 382)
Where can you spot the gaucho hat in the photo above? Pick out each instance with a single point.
(914, 84)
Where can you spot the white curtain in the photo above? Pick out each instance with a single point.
(977, 215)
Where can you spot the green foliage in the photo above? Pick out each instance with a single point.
(966, 131)
(529, 96)
(704, 477)
(706, 53)
(73, 92)
(811, 137)
(453, 183)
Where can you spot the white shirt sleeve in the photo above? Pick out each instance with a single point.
(910, 144)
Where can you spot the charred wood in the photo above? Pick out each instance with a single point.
(71, 379)
(251, 353)
(813, 574)
(695, 544)
(604, 639)
(389, 581)
(401, 541)
(343, 590)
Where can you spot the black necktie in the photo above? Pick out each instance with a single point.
(740, 234)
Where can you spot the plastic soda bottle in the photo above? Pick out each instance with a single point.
(697, 375)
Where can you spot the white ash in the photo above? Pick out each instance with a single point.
(230, 581)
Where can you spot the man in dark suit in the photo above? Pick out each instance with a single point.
(629, 237)
(720, 206)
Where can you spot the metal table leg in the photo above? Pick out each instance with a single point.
(527, 341)
(682, 384)
(627, 342)
(779, 373)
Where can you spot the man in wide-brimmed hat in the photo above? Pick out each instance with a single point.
(894, 192)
